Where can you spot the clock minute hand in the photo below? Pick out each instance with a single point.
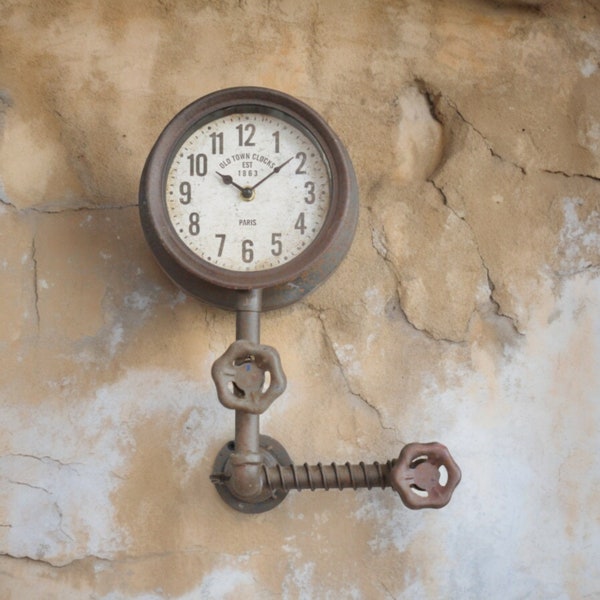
(275, 170)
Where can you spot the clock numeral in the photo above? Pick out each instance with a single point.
(276, 136)
(277, 248)
(217, 142)
(300, 225)
(301, 156)
(198, 164)
(194, 227)
(185, 189)
(251, 129)
(220, 236)
(310, 191)
(247, 251)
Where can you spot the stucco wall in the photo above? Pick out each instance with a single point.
(465, 312)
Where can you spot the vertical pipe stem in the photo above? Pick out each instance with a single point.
(247, 327)
(247, 458)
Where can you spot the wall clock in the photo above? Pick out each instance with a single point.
(249, 200)
(248, 188)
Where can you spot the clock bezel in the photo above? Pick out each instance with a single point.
(304, 271)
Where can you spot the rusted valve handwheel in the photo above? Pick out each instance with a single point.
(239, 376)
(418, 469)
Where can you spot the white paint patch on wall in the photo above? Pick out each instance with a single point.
(526, 439)
(374, 300)
(222, 583)
(302, 583)
(588, 134)
(418, 143)
(578, 238)
(69, 456)
(348, 358)
(119, 596)
(588, 66)
(395, 529)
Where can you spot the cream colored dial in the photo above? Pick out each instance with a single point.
(248, 191)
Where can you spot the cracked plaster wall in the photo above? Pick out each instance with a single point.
(466, 310)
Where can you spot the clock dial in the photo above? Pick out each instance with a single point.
(248, 191)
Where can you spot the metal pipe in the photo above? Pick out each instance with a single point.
(333, 476)
(249, 306)
(246, 459)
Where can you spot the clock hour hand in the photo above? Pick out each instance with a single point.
(247, 193)
(275, 170)
(228, 180)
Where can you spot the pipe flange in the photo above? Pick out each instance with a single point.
(273, 453)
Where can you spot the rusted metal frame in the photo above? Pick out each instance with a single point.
(287, 283)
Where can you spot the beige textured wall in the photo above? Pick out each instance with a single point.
(466, 310)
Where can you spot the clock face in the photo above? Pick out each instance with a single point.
(249, 190)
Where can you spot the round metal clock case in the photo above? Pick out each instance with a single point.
(248, 188)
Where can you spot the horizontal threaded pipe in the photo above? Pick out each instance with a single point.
(325, 477)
